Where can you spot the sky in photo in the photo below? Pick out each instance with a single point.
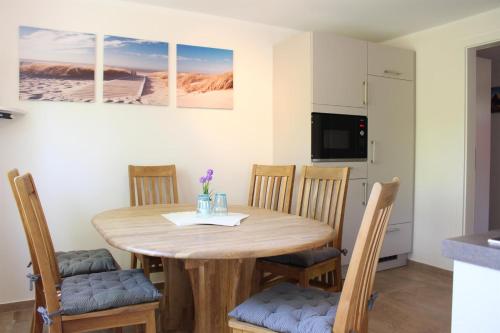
(56, 46)
(197, 59)
(135, 53)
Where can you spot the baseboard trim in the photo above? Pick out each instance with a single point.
(15, 306)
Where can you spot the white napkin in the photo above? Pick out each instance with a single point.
(191, 218)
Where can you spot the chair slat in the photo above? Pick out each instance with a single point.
(271, 187)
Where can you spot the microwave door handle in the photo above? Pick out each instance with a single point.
(373, 151)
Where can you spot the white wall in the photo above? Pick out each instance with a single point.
(79, 153)
(495, 155)
(440, 128)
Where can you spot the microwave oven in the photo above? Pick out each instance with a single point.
(338, 137)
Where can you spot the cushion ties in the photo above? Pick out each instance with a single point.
(344, 251)
(29, 264)
(32, 279)
(371, 301)
(46, 316)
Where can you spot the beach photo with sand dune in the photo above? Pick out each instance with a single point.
(135, 71)
(56, 65)
(204, 77)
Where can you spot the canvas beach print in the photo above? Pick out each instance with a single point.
(56, 65)
(204, 77)
(135, 71)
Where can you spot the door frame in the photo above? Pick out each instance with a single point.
(469, 190)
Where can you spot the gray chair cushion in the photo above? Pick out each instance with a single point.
(106, 290)
(291, 309)
(305, 258)
(84, 262)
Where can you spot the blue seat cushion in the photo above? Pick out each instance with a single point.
(305, 258)
(84, 262)
(106, 290)
(290, 308)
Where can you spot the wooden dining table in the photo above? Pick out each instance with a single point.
(208, 269)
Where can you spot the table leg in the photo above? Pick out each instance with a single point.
(177, 312)
(218, 286)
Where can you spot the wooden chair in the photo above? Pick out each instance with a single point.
(45, 262)
(151, 185)
(356, 297)
(271, 187)
(36, 321)
(36, 324)
(322, 196)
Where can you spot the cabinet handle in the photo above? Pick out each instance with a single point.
(365, 92)
(372, 161)
(365, 196)
(389, 230)
(391, 72)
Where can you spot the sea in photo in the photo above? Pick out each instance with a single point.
(56, 65)
(204, 77)
(135, 71)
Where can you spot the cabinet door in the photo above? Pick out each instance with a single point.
(391, 135)
(354, 210)
(339, 70)
(391, 62)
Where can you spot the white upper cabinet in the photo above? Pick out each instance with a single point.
(391, 62)
(391, 139)
(339, 70)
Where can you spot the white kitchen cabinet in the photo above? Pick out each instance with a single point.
(391, 62)
(354, 209)
(322, 72)
(339, 70)
(391, 139)
(398, 239)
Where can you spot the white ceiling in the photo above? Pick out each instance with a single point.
(369, 19)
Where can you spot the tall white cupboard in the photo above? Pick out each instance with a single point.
(324, 72)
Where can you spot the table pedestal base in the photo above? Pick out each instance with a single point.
(217, 287)
(177, 311)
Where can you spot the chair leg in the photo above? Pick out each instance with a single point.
(256, 280)
(304, 280)
(117, 330)
(36, 321)
(146, 266)
(338, 276)
(151, 323)
(133, 261)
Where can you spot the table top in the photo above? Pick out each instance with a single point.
(473, 249)
(264, 233)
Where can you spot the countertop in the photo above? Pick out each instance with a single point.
(473, 249)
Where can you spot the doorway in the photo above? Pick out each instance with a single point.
(482, 189)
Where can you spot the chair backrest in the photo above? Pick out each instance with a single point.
(151, 185)
(42, 247)
(271, 187)
(322, 196)
(352, 311)
(11, 175)
(43, 226)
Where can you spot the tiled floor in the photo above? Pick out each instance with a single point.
(412, 299)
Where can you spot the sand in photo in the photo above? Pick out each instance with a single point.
(56, 65)
(136, 71)
(204, 77)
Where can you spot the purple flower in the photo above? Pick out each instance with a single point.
(203, 180)
(210, 172)
(208, 178)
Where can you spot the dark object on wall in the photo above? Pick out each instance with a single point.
(495, 99)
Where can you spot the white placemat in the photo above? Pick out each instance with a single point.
(191, 218)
